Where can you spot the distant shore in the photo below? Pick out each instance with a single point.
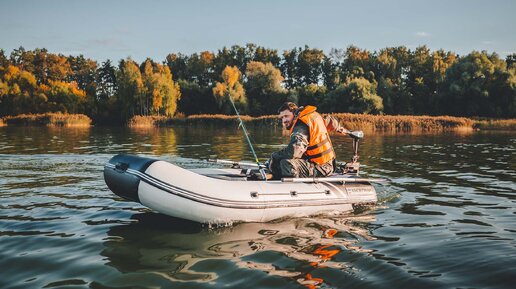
(370, 123)
(47, 119)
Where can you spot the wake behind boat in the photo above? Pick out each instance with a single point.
(227, 195)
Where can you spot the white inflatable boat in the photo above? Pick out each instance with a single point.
(226, 195)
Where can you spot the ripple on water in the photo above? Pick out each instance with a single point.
(446, 220)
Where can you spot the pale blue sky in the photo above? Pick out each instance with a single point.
(116, 29)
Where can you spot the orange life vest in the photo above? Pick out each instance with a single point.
(320, 149)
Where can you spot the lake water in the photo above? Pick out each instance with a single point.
(446, 220)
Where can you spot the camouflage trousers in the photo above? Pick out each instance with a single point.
(300, 168)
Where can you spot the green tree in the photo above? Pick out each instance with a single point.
(330, 73)
(235, 56)
(196, 99)
(289, 68)
(4, 61)
(83, 72)
(178, 65)
(511, 60)
(357, 96)
(315, 95)
(266, 55)
(479, 84)
(355, 63)
(310, 66)
(130, 89)
(391, 67)
(425, 76)
(263, 88)
(200, 68)
(23, 59)
(106, 83)
(65, 97)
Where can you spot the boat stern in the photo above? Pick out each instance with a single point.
(361, 194)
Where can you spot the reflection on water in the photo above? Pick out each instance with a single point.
(445, 221)
(181, 251)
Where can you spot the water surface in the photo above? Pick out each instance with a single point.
(447, 220)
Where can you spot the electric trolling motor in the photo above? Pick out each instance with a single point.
(353, 167)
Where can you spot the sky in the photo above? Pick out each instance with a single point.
(117, 29)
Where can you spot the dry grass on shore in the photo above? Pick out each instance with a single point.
(219, 120)
(142, 121)
(403, 123)
(495, 124)
(49, 119)
(371, 123)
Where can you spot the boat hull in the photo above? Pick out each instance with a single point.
(215, 197)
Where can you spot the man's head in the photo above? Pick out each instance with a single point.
(286, 113)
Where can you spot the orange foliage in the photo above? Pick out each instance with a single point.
(231, 75)
(220, 89)
(11, 72)
(58, 86)
(357, 54)
(207, 57)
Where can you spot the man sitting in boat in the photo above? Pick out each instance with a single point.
(310, 152)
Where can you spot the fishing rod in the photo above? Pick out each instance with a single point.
(234, 164)
(260, 166)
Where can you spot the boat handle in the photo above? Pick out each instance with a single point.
(122, 167)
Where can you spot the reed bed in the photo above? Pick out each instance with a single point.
(372, 123)
(144, 121)
(49, 119)
(221, 120)
(495, 124)
(403, 123)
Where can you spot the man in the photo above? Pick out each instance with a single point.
(310, 152)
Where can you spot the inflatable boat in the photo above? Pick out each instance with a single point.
(228, 195)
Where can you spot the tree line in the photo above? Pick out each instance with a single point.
(393, 80)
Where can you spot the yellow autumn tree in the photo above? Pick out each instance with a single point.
(161, 92)
(168, 93)
(230, 87)
(19, 92)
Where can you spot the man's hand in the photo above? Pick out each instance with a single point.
(342, 130)
(268, 164)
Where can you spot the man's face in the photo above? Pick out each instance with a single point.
(287, 117)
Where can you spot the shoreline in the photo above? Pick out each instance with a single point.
(47, 119)
(369, 123)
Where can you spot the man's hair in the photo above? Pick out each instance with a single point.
(292, 107)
